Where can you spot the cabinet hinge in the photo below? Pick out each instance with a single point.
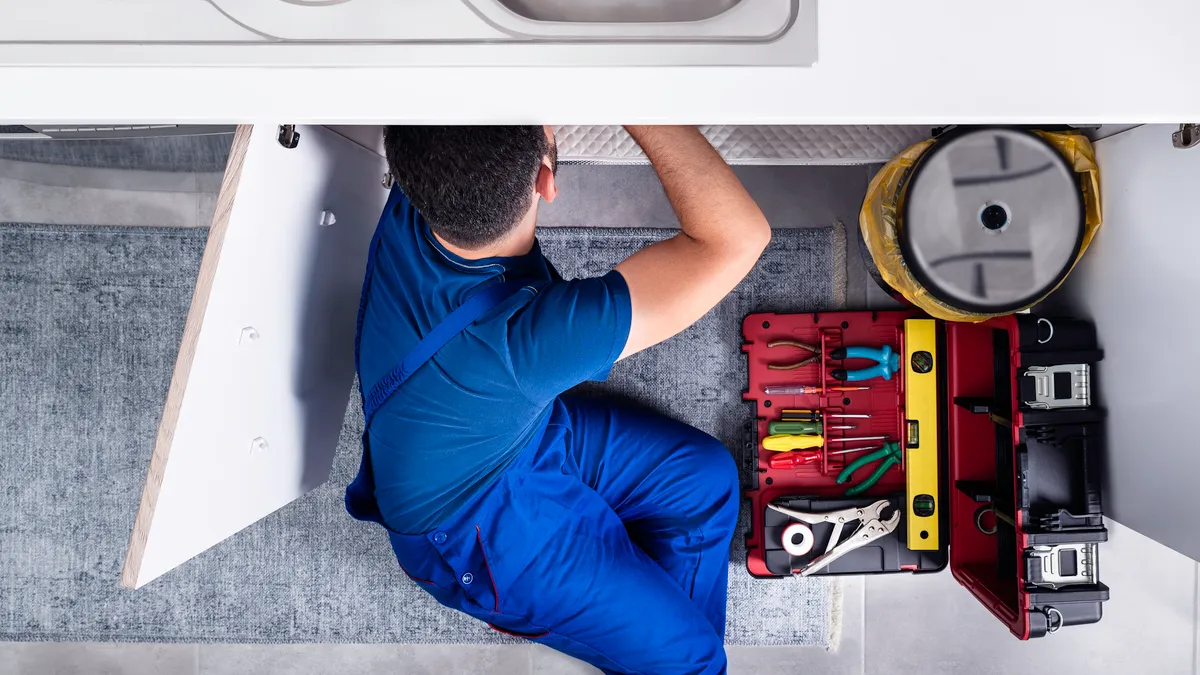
(1188, 136)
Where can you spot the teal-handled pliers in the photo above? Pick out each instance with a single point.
(886, 359)
(890, 456)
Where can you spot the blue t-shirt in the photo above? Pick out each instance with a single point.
(463, 417)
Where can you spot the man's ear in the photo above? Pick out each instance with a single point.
(545, 181)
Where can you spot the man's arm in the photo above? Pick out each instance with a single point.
(675, 282)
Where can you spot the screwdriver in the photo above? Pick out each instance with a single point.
(791, 460)
(800, 389)
(813, 414)
(785, 442)
(802, 427)
(850, 450)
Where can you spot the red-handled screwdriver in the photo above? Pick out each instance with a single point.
(791, 460)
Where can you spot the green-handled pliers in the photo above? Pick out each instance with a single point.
(890, 456)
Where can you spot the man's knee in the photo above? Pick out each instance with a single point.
(717, 462)
(716, 474)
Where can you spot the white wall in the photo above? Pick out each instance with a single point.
(1138, 282)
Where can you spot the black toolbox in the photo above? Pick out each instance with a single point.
(998, 473)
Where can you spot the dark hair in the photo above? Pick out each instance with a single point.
(472, 184)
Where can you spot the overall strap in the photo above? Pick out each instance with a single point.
(452, 325)
(360, 494)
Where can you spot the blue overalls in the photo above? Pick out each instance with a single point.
(606, 539)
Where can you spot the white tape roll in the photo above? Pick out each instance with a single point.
(797, 539)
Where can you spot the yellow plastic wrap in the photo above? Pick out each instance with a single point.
(885, 201)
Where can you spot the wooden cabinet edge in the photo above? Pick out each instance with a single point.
(183, 364)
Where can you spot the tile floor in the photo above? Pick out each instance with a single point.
(893, 625)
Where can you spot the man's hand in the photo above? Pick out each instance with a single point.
(675, 282)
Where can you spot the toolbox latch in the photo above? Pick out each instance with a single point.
(1062, 565)
(1060, 386)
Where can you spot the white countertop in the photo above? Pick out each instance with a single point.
(918, 61)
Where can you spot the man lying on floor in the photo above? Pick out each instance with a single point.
(600, 530)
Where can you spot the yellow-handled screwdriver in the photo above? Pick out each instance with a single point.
(786, 442)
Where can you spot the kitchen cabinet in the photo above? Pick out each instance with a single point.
(265, 369)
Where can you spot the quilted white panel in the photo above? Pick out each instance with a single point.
(746, 144)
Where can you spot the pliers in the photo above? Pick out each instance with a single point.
(886, 359)
(871, 527)
(887, 362)
(816, 351)
(890, 456)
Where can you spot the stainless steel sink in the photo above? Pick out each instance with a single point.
(619, 11)
(367, 33)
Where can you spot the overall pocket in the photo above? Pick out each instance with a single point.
(507, 555)
(479, 594)
(473, 571)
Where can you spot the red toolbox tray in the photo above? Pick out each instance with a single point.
(999, 454)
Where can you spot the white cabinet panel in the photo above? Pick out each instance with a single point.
(1139, 283)
(266, 365)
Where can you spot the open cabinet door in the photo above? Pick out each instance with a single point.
(1138, 282)
(266, 364)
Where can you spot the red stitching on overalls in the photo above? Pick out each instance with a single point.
(524, 636)
(410, 576)
(488, 565)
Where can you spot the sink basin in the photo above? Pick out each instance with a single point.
(619, 11)
(709, 21)
(367, 33)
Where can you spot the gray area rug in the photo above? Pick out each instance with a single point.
(90, 322)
